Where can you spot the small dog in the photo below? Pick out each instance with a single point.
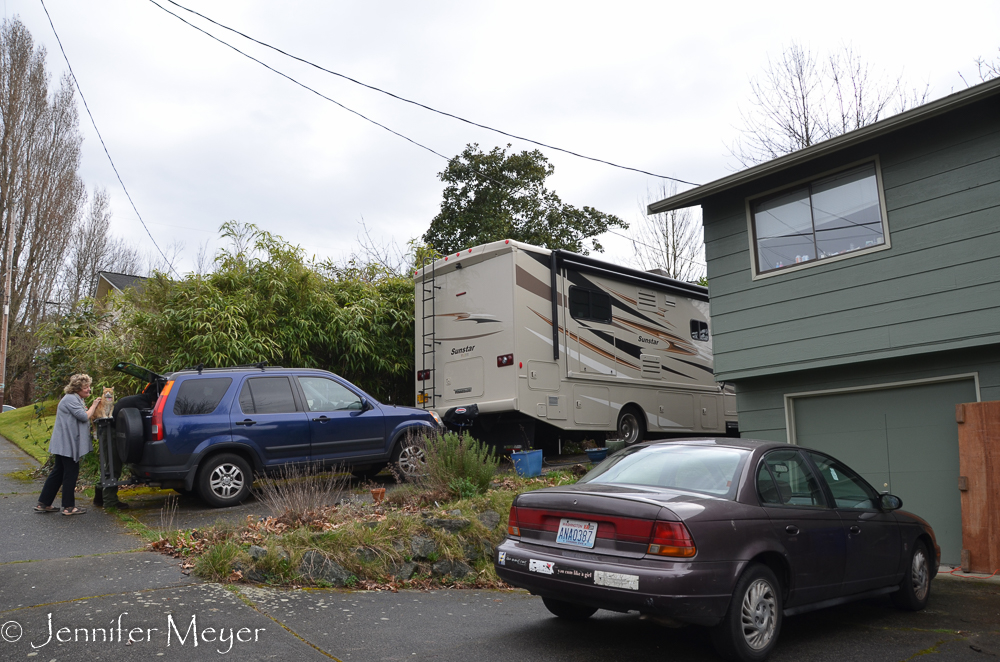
(107, 404)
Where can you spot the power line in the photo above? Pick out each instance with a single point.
(101, 138)
(410, 101)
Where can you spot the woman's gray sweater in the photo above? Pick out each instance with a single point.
(71, 432)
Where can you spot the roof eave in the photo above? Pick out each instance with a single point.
(882, 127)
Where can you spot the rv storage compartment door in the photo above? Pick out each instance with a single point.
(463, 378)
(591, 405)
(543, 376)
(676, 411)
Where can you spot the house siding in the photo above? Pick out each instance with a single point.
(937, 288)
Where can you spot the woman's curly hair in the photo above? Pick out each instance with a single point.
(77, 383)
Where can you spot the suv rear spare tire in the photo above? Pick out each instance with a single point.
(129, 442)
(224, 480)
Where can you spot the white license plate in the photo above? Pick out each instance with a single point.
(577, 533)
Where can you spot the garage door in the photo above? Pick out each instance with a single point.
(904, 440)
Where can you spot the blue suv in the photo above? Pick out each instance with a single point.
(210, 430)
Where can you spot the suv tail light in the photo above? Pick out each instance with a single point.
(671, 539)
(157, 428)
(512, 527)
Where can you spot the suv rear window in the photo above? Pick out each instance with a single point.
(200, 396)
(267, 395)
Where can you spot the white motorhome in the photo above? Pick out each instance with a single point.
(527, 345)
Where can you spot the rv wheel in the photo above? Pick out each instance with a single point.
(631, 425)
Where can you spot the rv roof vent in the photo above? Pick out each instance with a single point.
(650, 366)
(647, 300)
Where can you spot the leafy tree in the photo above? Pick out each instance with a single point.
(492, 196)
(264, 302)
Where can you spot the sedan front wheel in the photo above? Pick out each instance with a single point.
(915, 589)
(749, 630)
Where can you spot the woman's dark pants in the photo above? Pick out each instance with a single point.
(64, 474)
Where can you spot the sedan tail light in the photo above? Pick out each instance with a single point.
(512, 526)
(157, 428)
(671, 539)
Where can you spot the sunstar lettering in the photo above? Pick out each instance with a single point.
(649, 341)
(462, 350)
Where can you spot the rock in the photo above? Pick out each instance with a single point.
(476, 551)
(318, 568)
(450, 525)
(398, 545)
(257, 552)
(456, 569)
(250, 574)
(489, 519)
(403, 571)
(366, 553)
(422, 547)
(455, 513)
(284, 555)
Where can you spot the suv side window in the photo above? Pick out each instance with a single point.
(200, 396)
(791, 481)
(327, 395)
(849, 489)
(267, 395)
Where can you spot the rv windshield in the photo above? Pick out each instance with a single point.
(712, 470)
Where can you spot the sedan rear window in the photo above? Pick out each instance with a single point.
(692, 468)
(200, 396)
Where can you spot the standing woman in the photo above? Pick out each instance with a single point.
(70, 442)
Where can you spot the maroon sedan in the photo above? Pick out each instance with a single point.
(728, 533)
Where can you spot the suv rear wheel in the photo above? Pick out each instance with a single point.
(224, 480)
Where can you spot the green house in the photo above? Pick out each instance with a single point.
(855, 294)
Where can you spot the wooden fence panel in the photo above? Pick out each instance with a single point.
(979, 482)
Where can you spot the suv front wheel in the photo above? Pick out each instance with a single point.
(224, 480)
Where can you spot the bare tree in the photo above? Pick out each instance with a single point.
(669, 241)
(93, 248)
(985, 70)
(799, 101)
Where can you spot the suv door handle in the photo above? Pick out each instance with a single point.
(247, 422)
(322, 419)
(855, 529)
(792, 529)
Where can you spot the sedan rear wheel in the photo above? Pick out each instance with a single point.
(225, 480)
(915, 589)
(571, 611)
(750, 628)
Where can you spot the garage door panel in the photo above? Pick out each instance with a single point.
(866, 448)
(923, 490)
(901, 439)
(814, 416)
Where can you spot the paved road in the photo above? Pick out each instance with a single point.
(115, 603)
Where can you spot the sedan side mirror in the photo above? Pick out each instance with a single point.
(890, 502)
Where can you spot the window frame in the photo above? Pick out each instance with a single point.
(810, 470)
(590, 304)
(756, 273)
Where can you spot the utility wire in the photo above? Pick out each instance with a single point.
(101, 138)
(453, 160)
(415, 103)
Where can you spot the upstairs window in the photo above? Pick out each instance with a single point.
(585, 304)
(819, 220)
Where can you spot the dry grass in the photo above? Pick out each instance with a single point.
(298, 493)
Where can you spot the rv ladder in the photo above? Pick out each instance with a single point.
(429, 340)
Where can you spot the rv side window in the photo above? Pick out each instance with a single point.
(699, 330)
(587, 304)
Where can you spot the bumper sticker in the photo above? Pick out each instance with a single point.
(616, 580)
(501, 558)
(543, 567)
(574, 573)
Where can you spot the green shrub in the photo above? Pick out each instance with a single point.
(460, 460)
(216, 564)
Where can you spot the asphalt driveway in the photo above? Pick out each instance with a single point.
(106, 599)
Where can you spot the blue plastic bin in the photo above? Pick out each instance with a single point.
(597, 454)
(527, 463)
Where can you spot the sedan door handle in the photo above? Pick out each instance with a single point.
(247, 422)
(792, 529)
(855, 529)
(322, 419)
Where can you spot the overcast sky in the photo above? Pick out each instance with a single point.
(202, 135)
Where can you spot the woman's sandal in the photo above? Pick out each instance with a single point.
(45, 509)
(74, 511)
